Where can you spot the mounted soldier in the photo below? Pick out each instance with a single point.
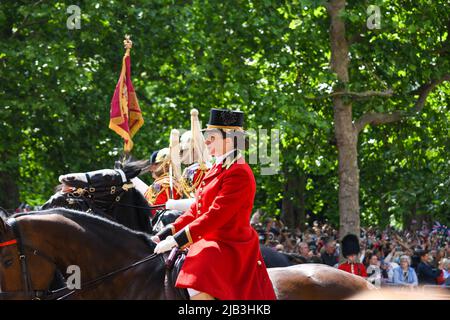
(160, 190)
(224, 259)
(193, 154)
(165, 172)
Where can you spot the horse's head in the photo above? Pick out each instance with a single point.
(105, 184)
(108, 192)
(24, 272)
(105, 177)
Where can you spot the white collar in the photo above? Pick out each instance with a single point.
(219, 159)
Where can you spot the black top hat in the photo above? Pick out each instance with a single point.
(350, 245)
(225, 119)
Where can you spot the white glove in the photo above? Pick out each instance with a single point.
(165, 245)
(155, 239)
(140, 185)
(180, 205)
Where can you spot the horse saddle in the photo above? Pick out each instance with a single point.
(174, 262)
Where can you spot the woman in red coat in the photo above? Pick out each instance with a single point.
(224, 259)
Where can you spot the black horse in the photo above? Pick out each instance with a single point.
(108, 193)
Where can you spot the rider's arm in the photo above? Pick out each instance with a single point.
(178, 224)
(227, 203)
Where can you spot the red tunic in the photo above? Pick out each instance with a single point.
(225, 259)
(358, 268)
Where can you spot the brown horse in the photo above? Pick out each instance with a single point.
(118, 263)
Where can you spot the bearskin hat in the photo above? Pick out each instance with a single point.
(350, 245)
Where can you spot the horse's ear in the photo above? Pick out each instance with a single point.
(135, 168)
(3, 227)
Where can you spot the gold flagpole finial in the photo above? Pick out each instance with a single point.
(127, 42)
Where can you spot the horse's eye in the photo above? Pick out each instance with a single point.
(7, 263)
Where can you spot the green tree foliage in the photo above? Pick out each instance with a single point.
(268, 58)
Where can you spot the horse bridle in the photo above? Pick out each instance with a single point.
(89, 194)
(25, 275)
(58, 294)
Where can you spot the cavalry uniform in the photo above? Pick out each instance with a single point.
(224, 258)
(192, 177)
(159, 191)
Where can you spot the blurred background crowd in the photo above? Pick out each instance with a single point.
(416, 256)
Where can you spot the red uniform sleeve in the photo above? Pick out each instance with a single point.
(236, 188)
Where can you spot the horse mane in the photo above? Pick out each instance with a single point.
(86, 218)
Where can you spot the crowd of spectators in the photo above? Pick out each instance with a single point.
(419, 255)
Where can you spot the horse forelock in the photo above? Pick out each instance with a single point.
(3, 227)
(135, 168)
(84, 178)
(129, 170)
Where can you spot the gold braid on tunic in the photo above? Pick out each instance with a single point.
(164, 184)
(189, 186)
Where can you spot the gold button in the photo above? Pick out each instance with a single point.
(198, 212)
(199, 205)
(259, 263)
(199, 197)
(203, 183)
(199, 237)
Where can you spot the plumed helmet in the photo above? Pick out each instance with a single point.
(350, 245)
(162, 155)
(185, 140)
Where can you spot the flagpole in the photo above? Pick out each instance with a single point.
(128, 44)
(125, 114)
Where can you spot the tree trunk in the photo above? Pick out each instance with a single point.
(9, 195)
(345, 131)
(346, 138)
(408, 217)
(301, 210)
(385, 216)
(287, 206)
(293, 211)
